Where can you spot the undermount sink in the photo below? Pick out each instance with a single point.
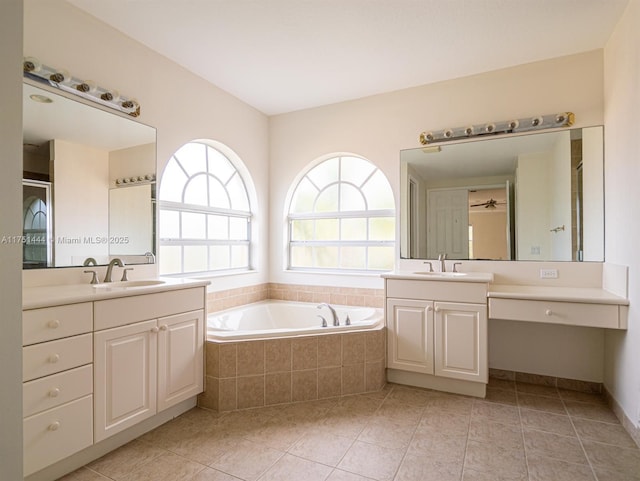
(441, 274)
(128, 284)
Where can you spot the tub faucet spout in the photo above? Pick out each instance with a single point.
(336, 321)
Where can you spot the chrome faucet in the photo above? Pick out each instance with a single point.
(441, 259)
(336, 321)
(114, 262)
(89, 261)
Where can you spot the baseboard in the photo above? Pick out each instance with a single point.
(456, 386)
(627, 424)
(559, 382)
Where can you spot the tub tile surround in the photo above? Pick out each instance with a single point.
(397, 433)
(276, 371)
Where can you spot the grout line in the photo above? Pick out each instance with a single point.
(584, 451)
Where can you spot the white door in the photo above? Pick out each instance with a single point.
(125, 377)
(180, 358)
(448, 223)
(461, 341)
(410, 335)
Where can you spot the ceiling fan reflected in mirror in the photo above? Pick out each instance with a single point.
(490, 204)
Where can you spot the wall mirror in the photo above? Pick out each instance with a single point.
(88, 183)
(527, 197)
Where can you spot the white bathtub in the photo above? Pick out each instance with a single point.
(286, 319)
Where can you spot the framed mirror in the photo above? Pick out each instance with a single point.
(536, 196)
(88, 182)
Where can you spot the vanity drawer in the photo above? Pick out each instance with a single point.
(56, 356)
(473, 292)
(127, 310)
(57, 433)
(39, 325)
(552, 312)
(51, 391)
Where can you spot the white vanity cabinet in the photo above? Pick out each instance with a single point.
(438, 330)
(58, 383)
(147, 364)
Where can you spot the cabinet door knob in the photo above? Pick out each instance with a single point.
(54, 426)
(53, 358)
(164, 327)
(429, 308)
(548, 312)
(53, 324)
(54, 392)
(437, 309)
(155, 329)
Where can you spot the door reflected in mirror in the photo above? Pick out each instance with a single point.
(528, 197)
(83, 153)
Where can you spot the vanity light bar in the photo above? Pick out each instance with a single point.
(136, 179)
(563, 119)
(84, 88)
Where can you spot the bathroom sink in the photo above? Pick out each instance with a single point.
(441, 274)
(128, 284)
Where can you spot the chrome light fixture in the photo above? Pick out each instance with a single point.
(86, 89)
(563, 119)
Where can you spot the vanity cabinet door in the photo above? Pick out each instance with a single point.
(410, 335)
(461, 341)
(180, 357)
(125, 377)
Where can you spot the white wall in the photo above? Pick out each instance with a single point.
(11, 254)
(179, 104)
(622, 178)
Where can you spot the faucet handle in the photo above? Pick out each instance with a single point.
(324, 321)
(124, 273)
(430, 265)
(94, 278)
(455, 269)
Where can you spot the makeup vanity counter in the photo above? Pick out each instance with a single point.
(100, 360)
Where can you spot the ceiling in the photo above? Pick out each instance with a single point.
(285, 55)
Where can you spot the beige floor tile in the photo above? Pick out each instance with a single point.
(495, 412)
(541, 403)
(546, 469)
(444, 422)
(167, 467)
(387, 433)
(372, 461)
(450, 403)
(507, 436)
(568, 395)
(234, 461)
(84, 474)
(339, 475)
(361, 404)
(501, 396)
(490, 458)
(613, 458)
(407, 395)
(537, 389)
(608, 475)
(504, 384)
(549, 445)
(117, 464)
(549, 422)
(400, 412)
(278, 434)
(347, 425)
(293, 468)
(202, 416)
(209, 474)
(596, 412)
(415, 468)
(439, 445)
(603, 432)
(473, 475)
(323, 448)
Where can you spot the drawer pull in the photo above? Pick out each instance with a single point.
(53, 358)
(53, 324)
(54, 392)
(154, 329)
(548, 312)
(54, 426)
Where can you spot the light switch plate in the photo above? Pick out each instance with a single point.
(548, 273)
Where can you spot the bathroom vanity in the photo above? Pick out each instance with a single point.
(99, 360)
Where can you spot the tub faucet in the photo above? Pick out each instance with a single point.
(336, 321)
(441, 259)
(114, 262)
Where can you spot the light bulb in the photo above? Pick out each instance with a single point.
(448, 133)
(489, 128)
(87, 87)
(536, 121)
(468, 131)
(110, 96)
(513, 124)
(60, 77)
(31, 64)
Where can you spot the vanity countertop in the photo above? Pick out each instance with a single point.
(46, 296)
(440, 276)
(587, 295)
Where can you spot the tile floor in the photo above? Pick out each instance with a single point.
(521, 432)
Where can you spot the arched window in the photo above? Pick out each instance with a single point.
(205, 212)
(342, 217)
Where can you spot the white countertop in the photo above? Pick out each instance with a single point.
(589, 295)
(45, 296)
(437, 276)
